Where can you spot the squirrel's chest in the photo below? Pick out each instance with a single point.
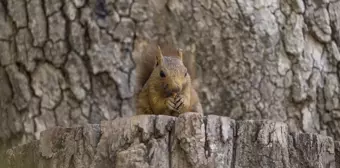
(158, 105)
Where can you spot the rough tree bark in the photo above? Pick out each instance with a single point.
(189, 141)
(65, 63)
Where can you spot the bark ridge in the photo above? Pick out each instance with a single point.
(190, 141)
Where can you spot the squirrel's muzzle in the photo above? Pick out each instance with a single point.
(172, 91)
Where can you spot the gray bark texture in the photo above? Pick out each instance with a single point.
(189, 141)
(71, 62)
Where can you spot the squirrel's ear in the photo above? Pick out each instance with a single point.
(180, 54)
(159, 56)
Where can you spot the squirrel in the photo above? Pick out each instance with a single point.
(166, 82)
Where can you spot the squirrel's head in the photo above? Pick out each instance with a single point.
(169, 74)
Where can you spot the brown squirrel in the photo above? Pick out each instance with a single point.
(166, 82)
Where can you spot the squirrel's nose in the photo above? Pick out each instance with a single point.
(172, 91)
(175, 90)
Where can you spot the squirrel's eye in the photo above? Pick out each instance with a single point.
(186, 73)
(162, 74)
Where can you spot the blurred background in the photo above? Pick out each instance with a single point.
(71, 62)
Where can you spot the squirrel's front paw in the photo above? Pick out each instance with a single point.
(176, 103)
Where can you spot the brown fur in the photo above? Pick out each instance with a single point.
(145, 63)
(150, 92)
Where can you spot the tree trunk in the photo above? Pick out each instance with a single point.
(66, 63)
(189, 141)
